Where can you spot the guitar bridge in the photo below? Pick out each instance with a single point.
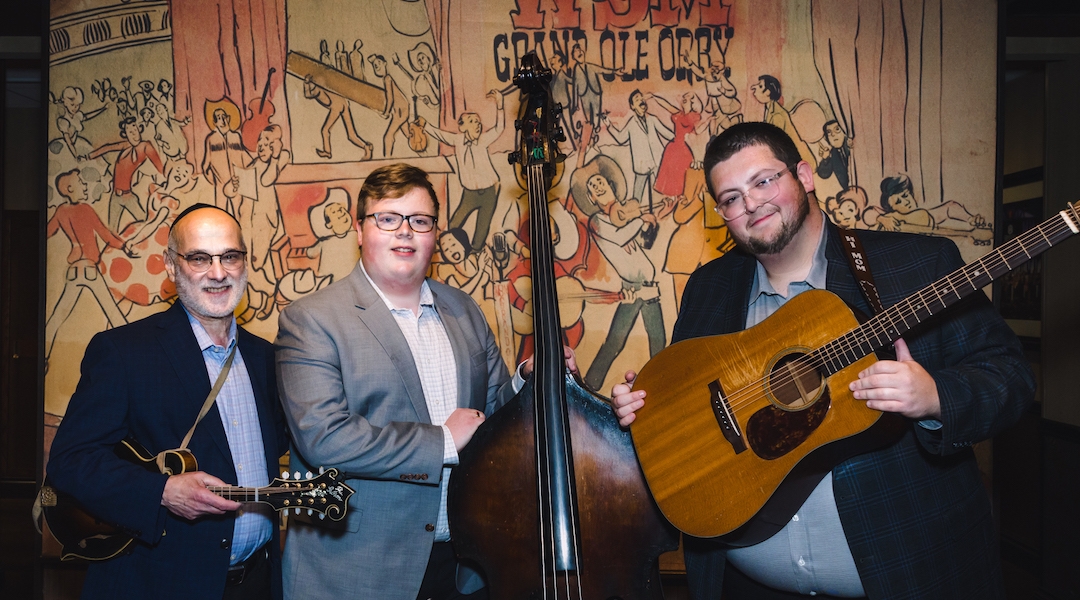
(724, 417)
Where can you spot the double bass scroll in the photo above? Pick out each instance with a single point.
(548, 498)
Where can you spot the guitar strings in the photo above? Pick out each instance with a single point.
(853, 344)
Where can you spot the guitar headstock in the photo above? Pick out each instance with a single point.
(538, 126)
(323, 494)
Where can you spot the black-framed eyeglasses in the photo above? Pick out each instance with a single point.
(732, 204)
(391, 221)
(200, 262)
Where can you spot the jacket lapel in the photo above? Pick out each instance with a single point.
(376, 317)
(179, 343)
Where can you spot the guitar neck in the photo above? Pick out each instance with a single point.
(898, 319)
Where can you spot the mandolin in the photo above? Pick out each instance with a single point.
(84, 536)
(738, 429)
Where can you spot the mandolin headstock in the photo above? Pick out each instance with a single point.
(323, 494)
(539, 131)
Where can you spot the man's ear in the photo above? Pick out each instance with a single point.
(805, 173)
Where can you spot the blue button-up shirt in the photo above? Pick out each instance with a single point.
(235, 402)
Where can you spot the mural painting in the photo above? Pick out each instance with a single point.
(276, 111)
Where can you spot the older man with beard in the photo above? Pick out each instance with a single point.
(147, 381)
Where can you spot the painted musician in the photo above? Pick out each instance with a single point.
(386, 375)
(911, 520)
(148, 380)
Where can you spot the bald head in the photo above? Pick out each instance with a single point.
(203, 220)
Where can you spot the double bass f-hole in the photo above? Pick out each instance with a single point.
(548, 499)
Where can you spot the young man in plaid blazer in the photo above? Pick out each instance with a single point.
(912, 519)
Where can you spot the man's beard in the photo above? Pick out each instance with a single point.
(787, 233)
(188, 293)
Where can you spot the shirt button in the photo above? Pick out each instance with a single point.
(239, 467)
(795, 518)
(235, 422)
(802, 563)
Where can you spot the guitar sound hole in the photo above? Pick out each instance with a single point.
(793, 383)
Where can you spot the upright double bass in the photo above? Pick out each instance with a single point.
(548, 498)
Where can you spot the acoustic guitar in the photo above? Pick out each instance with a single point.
(738, 429)
(84, 536)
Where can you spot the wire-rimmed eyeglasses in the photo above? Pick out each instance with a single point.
(732, 204)
(200, 262)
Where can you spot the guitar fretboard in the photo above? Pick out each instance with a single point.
(898, 319)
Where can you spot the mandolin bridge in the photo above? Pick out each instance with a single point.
(725, 418)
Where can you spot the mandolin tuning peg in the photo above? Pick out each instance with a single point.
(309, 475)
(296, 475)
(310, 512)
(284, 474)
(321, 469)
(322, 516)
(296, 510)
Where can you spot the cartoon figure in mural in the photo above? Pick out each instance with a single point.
(479, 181)
(82, 227)
(134, 151)
(846, 209)
(599, 190)
(900, 211)
(647, 137)
(677, 157)
(165, 92)
(424, 76)
(187, 187)
(144, 97)
(700, 234)
(171, 141)
(768, 91)
(324, 53)
(722, 99)
(337, 108)
(341, 58)
(396, 108)
(71, 122)
(141, 279)
(460, 266)
(270, 159)
(562, 89)
(588, 94)
(225, 158)
(836, 156)
(336, 251)
(356, 61)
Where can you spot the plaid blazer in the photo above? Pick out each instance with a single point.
(916, 514)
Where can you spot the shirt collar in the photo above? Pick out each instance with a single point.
(203, 338)
(815, 278)
(426, 297)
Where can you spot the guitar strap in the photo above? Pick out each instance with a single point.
(205, 408)
(860, 268)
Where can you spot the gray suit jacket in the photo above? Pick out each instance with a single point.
(353, 400)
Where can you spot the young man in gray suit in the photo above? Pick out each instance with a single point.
(386, 375)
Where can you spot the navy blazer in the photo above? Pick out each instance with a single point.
(916, 514)
(147, 380)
